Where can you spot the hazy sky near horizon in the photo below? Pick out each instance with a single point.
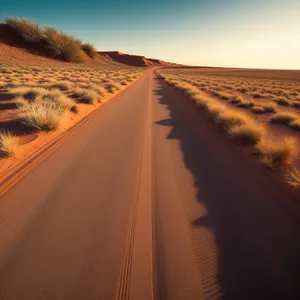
(229, 33)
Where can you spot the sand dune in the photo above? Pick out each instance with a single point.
(135, 60)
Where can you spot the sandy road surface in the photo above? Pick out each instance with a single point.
(148, 201)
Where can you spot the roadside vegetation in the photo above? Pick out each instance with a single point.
(8, 144)
(248, 110)
(41, 99)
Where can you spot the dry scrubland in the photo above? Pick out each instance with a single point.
(55, 43)
(40, 99)
(262, 112)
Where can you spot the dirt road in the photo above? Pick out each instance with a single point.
(149, 201)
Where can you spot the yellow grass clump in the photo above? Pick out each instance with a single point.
(230, 118)
(63, 45)
(8, 144)
(90, 50)
(284, 117)
(295, 124)
(86, 96)
(215, 108)
(278, 154)
(28, 30)
(201, 101)
(248, 133)
(293, 178)
(43, 115)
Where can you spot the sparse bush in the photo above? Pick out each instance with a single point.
(57, 97)
(258, 109)
(201, 101)
(248, 133)
(215, 109)
(224, 95)
(293, 178)
(255, 95)
(28, 93)
(90, 50)
(86, 96)
(29, 31)
(43, 115)
(64, 46)
(20, 102)
(282, 101)
(98, 89)
(235, 101)
(295, 124)
(112, 87)
(8, 144)
(242, 90)
(284, 117)
(269, 107)
(276, 155)
(245, 104)
(296, 104)
(63, 86)
(230, 118)
(191, 90)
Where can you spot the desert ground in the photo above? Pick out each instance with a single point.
(144, 181)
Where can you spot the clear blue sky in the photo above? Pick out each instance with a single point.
(234, 33)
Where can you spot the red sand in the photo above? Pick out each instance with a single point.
(135, 60)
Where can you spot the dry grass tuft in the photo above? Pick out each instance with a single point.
(284, 117)
(64, 46)
(215, 109)
(276, 155)
(63, 86)
(90, 50)
(258, 109)
(245, 104)
(264, 108)
(86, 96)
(269, 107)
(112, 87)
(296, 104)
(293, 178)
(231, 118)
(43, 115)
(201, 101)
(29, 31)
(256, 95)
(8, 144)
(295, 124)
(248, 133)
(282, 101)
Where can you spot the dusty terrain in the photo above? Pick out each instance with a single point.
(28, 74)
(156, 205)
(136, 60)
(143, 196)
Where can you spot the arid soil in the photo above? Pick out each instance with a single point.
(149, 183)
(136, 60)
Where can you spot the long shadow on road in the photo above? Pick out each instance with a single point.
(253, 219)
